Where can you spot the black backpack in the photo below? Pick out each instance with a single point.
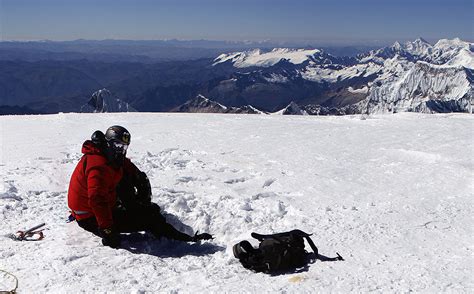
(276, 252)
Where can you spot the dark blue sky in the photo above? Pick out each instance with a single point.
(323, 21)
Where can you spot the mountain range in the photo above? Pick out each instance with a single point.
(414, 76)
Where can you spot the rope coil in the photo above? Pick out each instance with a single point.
(13, 291)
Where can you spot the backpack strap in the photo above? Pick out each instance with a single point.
(311, 244)
(261, 237)
(308, 239)
(300, 233)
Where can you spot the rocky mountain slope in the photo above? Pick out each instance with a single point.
(201, 104)
(104, 101)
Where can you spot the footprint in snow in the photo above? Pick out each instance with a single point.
(246, 206)
(186, 179)
(235, 181)
(11, 192)
(268, 182)
(264, 195)
(44, 158)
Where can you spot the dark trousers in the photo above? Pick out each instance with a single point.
(138, 218)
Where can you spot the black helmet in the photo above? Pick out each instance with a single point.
(118, 134)
(98, 138)
(118, 139)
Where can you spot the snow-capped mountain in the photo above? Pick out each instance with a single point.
(104, 101)
(201, 104)
(420, 50)
(446, 50)
(414, 76)
(422, 87)
(438, 79)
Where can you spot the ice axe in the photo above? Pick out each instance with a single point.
(26, 235)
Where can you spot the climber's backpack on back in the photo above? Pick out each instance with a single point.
(276, 252)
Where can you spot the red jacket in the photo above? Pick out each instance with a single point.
(92, 186)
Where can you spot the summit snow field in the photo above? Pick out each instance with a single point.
(393, 194)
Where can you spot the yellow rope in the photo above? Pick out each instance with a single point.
(16, 284)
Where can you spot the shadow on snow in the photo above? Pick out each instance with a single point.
(312, 258)
(144, 243)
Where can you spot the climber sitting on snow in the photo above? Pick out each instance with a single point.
(109, 195)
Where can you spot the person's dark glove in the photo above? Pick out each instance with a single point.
(204, 236)
(110, 237)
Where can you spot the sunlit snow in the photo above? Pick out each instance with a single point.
(393, 194)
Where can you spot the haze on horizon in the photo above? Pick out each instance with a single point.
(342, 22)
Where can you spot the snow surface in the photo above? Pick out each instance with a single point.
(393, 194)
